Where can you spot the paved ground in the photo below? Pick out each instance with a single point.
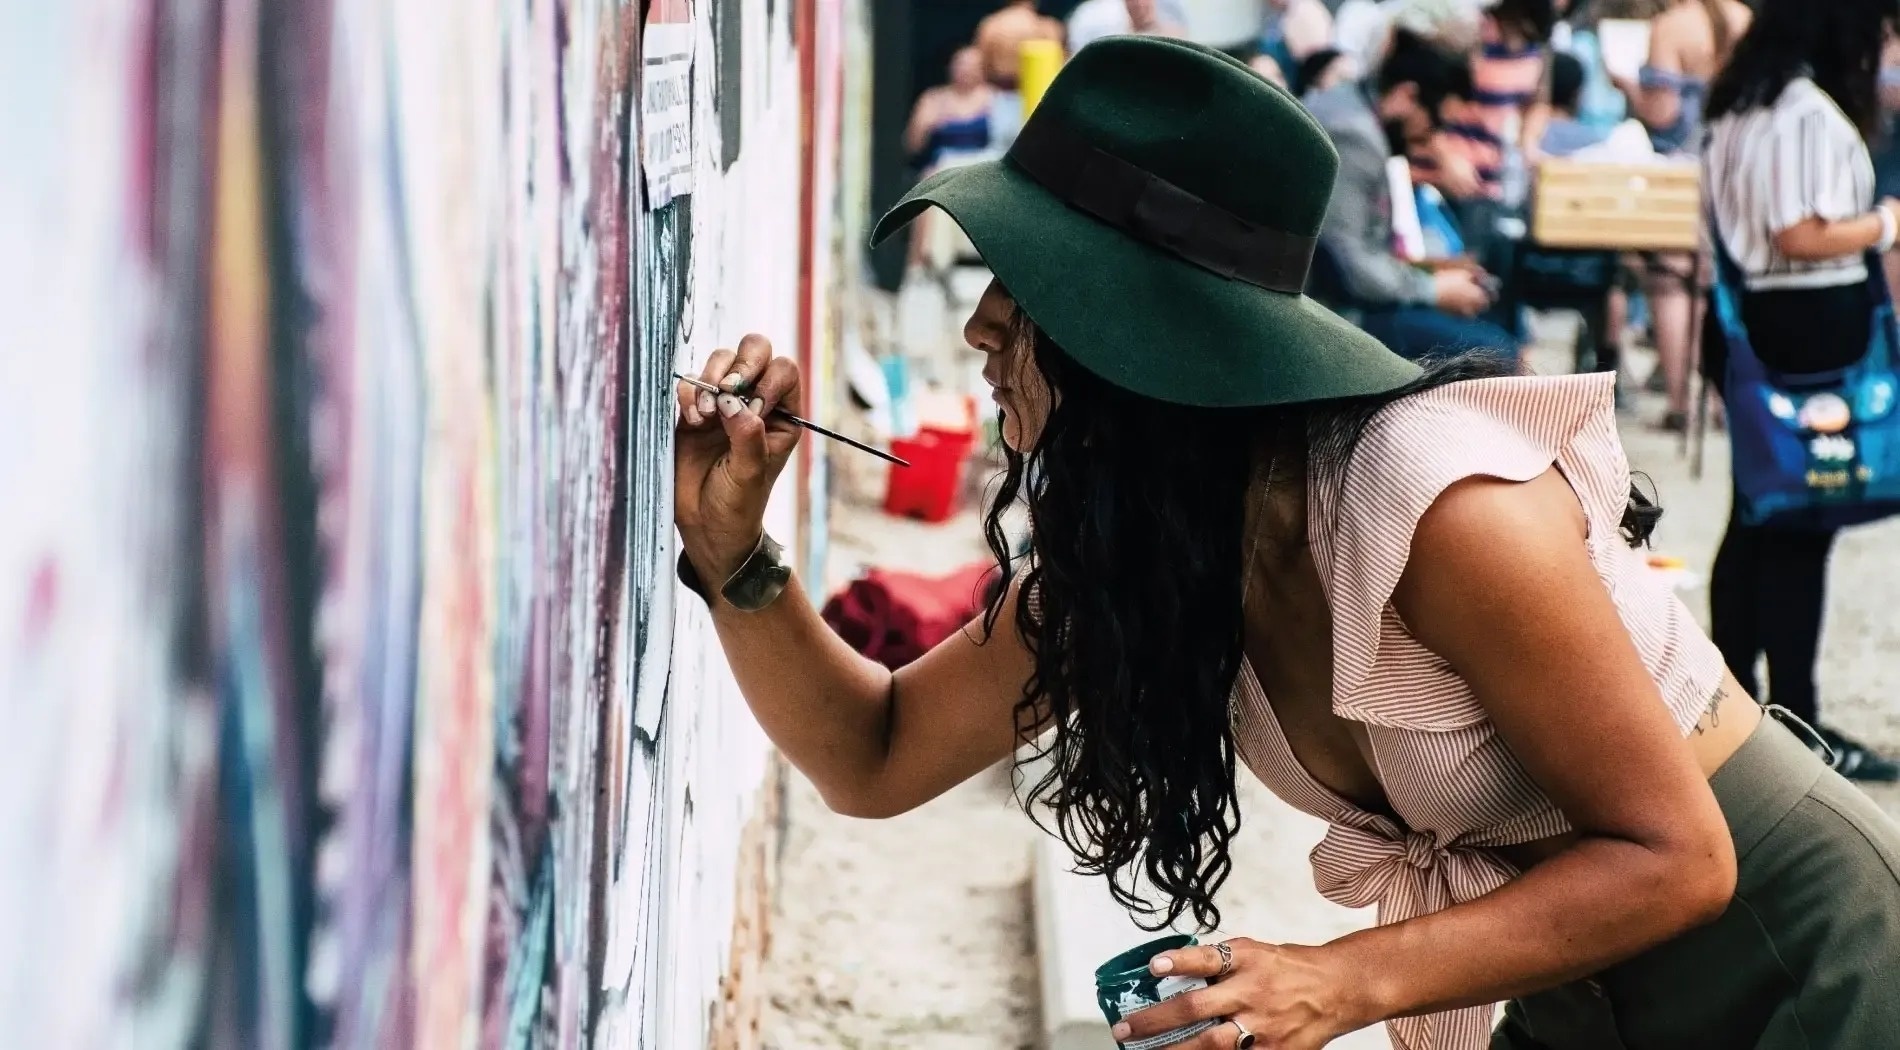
(916, 933)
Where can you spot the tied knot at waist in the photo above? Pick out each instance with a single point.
(1421, 850)
(1407, 874)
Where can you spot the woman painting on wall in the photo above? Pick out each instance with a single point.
(1410, 599)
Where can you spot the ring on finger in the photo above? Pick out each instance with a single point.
(1226, 960)
(1243, 1039)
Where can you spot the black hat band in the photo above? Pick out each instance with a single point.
(1157, 212)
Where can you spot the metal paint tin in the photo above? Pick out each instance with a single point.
(1124, 985)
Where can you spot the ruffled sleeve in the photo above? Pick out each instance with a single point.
(1362, 522)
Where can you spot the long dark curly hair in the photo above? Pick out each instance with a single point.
(1130, 604)
(1836, 43)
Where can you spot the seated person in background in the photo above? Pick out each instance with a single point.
(1001, 35)
(1326, 69)
(1094, 19)
(949, 125)
(1507, 68)
(1414, 311)
(1566, 133)
(951, 122)
(1267, 66)
(1600, 102)
(1295, 29)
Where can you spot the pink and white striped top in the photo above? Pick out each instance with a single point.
(1453, 782)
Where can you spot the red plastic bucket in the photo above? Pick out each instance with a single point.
(928, 488)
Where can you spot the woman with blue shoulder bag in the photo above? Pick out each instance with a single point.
(1800, 335)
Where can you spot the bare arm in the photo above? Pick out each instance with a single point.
(1536, 123)
(1538, 114)
(1810, 220)
(922, 116)
(1500, 585)
(874, 743)
(1816, 238)
(1658, 106)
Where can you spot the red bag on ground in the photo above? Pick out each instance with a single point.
(895, 617)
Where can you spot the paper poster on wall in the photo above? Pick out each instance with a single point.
(666, 107)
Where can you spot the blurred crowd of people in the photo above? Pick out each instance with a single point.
(1442, 112)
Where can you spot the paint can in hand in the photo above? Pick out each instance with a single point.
(1124, 985)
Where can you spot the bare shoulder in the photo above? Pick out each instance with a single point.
(1500, 568)
(1687, 25)
(1482, 525)
(1672, 32)
(1678, 17)
(1489, 548)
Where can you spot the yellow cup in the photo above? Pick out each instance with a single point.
(1036, 67)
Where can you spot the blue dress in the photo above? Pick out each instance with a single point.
(1691, 91)
(951, 137)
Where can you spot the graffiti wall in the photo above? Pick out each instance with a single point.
(352, 702)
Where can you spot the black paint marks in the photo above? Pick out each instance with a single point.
(729, 75)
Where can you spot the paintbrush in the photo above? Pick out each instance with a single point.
(701, 384)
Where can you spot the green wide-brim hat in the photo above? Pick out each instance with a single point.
(1157, 216)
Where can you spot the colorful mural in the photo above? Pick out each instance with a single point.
(336, 604)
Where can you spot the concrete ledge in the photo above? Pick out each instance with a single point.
(1078, 923)
(1078, 926)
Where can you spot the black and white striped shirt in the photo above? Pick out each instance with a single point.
(1769, 168)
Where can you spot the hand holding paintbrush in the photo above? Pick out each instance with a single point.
(770, 382)
(709, 390)
(738, 427)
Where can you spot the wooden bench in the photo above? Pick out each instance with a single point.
(1617, 207)
(1589, 207)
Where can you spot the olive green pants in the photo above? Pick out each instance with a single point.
(1807, 954)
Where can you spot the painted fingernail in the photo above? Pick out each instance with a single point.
(733, 381)
(707, 406)
(1162, 964)
(757, 406)
(1121, 1032)
(730, 406)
